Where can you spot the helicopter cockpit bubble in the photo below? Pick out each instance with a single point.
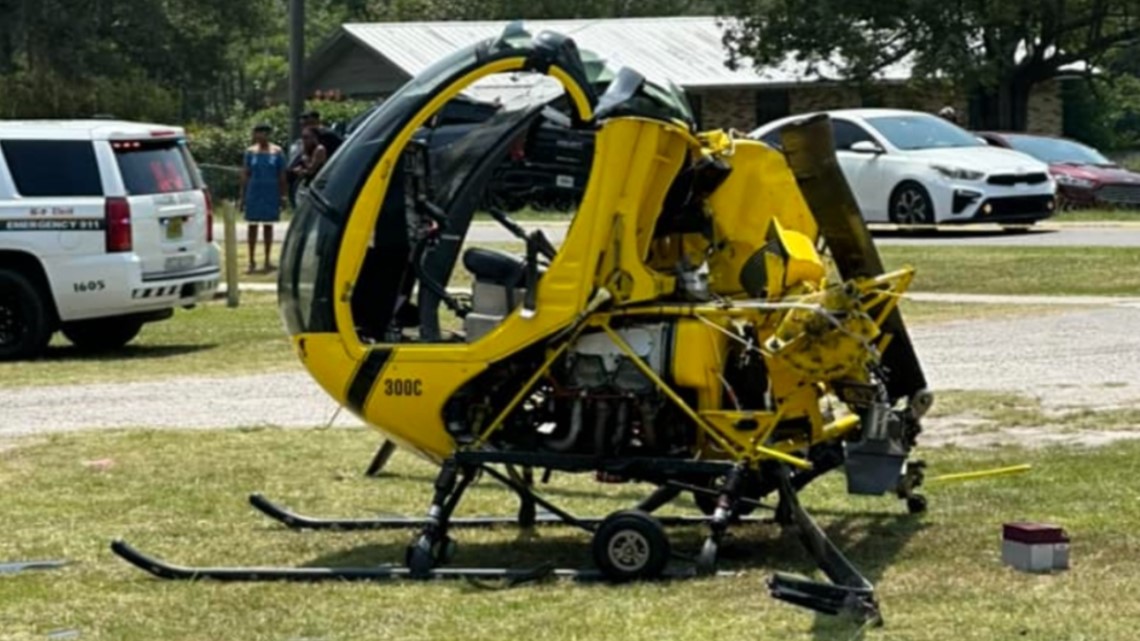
(376, 237)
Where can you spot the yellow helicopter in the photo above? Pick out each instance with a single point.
(716, 321)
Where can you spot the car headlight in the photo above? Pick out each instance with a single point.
(958, 173)
(1073, 181)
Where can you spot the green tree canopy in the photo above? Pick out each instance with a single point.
(1000, 49)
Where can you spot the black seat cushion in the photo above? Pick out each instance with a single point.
(494, 266)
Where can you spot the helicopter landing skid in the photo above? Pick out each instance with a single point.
(527, 517)
(295, 521)
(449, 488)
(172, 572)
(849, 593)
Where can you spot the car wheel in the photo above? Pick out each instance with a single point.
(101, 334)
(911, 205)
(25, 323)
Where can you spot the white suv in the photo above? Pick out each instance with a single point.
(104, 226)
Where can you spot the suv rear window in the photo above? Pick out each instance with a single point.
(53, 167)
(151, 167)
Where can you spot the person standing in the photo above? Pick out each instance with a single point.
(263, 190)
(329, 139)
(313, 156)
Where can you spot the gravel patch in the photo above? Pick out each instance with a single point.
(1088, 358)
(280, 400)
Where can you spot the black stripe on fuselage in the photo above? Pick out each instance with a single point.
(365, 378)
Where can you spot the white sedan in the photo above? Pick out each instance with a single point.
(912, 168)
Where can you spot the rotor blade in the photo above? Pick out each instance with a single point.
(810, 150)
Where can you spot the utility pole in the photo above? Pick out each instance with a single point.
(296, 66)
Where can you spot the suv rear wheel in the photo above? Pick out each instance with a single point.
(102, 334)
(25, 323)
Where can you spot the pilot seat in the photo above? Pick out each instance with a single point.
(499, 287)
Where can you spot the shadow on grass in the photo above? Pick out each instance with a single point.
(128, 353)
(563, 548)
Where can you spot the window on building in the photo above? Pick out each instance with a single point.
(772, 104)
(871, 97)
(53, 167)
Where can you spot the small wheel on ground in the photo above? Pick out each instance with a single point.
(25, 321)
(910, 204)
(101, 334)
(631, 545)
(916, 504)
(424, 554)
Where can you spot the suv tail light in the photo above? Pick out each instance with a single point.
(118, 220)
(209, 216)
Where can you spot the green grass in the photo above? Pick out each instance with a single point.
(926, 312)
(1019, 270)
(1097, 216)
(996, 270)
(260, 275)
(209, 340)
(181, 496)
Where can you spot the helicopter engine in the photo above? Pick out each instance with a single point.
(612, 405)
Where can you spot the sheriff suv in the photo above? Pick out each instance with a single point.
(104, 226)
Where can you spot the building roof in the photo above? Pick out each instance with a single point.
(687, 50)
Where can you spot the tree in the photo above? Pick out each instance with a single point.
(531, 9)
(132, 58)
(995, 49)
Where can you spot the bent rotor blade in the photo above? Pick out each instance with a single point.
(810, 150)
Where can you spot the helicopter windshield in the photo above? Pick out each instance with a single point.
(527, 150)
(527, 153)
(308, 260)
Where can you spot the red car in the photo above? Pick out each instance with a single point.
(1084, 176)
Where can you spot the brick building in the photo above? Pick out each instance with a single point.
(373, 60)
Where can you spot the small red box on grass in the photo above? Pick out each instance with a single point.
(1034, 547)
